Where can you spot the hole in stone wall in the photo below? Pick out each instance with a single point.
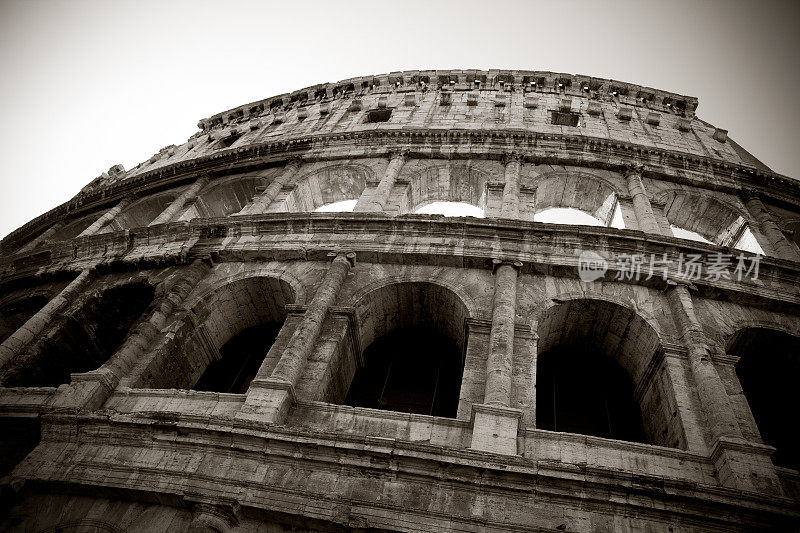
(241, 358)
(567, 215)
(564, 118)
(345, 206)
(85, 340)
(227, 142)
(18, 437)
(409, 370)
(378, 115)
(769, 371)
(451, 209)
(579, 390)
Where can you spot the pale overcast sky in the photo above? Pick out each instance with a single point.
(87, 84)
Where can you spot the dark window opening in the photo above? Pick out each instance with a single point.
(378, 115)
(85, 340)
(18, 437)
(227, 142)
(769, 371)
(241, 358)
(413, 370)
(564, 118)
(579, 390)
(14, 315)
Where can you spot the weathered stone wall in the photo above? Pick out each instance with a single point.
(113, 306)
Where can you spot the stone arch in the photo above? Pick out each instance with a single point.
(16, 309)
(224, 197)
(583, 337)
(768, 370)
(791, 227)
(412, 337)
(334, 183)
(455, 181)
(582, 191)
(265, 271)
(234, 324)
(86, 336)
(711, 217)
(75, 227)
(467, 300)
(142, 212)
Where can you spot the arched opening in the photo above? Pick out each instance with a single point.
(413, 360)
(225, 198)
(575, 198)
(15, 314)
(448, 190)
(74, 228)
(84, 340)
(592, 359)
(234, 329)
(142, 212)
(451, 209)
(704, 219)
(343, 206)
(327, 187)
(240, 360)
(769, 373)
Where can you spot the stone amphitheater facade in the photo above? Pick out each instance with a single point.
(191, 346)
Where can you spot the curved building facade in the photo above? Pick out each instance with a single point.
(273, 327)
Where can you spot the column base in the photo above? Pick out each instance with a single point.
(495, 429)
(746, 466)
(268, 400)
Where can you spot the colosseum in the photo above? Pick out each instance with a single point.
(279, 325)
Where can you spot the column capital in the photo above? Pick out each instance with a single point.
(510, 157)
(349, 256)
(633, 169)
(496, 263)
(294, 161)
(399, 153)
(674, 282)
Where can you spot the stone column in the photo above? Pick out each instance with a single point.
(101, 222)
(501, 338)
(740, 464)
(381, 195)
(495, 424)
(41, 238)
(269, 399)
(139, 341)
(783, 247)
(260, 203)
(213, 517)
(35, 325)
(641, 203)
(510, 209)
(177, 204)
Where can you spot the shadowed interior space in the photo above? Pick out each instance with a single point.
(86, 339)
(581, 391)
(241, 358)
(769, 372)
(411, 371)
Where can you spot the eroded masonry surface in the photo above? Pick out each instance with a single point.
(258, 330)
